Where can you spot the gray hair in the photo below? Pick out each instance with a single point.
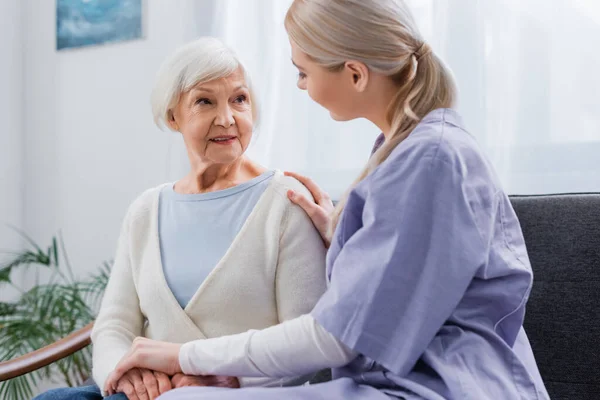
(202, 60)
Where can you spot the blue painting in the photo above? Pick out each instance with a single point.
(91, 22)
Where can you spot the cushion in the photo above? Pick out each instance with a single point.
(562, 233)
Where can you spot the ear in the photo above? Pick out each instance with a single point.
(171, 121)
(359, 73)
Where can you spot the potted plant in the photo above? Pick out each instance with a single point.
(48, 311)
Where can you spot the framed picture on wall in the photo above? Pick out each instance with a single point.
(82, 23)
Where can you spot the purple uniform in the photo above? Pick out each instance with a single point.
(428, 281)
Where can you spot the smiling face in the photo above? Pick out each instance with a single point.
(215, 119)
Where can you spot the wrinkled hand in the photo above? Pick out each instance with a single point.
(319, 210)
(182, 380)
(146, 354)
(143, 384)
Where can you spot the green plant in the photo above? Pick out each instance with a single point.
(46, 313)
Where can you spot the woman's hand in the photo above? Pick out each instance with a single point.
(182, 380)
(319, 210)
(147, 354)
(143, 384)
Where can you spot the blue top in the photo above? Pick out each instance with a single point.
(195, 231)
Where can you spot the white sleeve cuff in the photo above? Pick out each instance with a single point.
(226, 355)
(185, 354)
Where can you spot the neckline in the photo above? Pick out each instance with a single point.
(448, 115)
(170, 191)
(234, 244)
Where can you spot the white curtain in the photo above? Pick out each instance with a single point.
(527, 72)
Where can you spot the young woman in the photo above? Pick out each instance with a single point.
(427, 267)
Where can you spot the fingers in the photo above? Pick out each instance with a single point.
(226, 381)
(176, 380)
(125, 386)
(191, 380)
(111, 385)
(321, 198)
(122, 367)
(309, 206)
(318, 215)
(188, 380)
(164, 383)
(146, 354)
(207, 380)
(314, 189)
(135, 377)
(150, 383)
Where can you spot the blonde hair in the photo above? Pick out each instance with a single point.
(383, 35)
(200, 61)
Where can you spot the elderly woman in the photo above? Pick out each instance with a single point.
(219, 252)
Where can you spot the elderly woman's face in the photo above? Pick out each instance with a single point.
(215, 119)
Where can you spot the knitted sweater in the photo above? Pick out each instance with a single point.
(273, 271)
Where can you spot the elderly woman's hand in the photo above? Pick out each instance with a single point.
(319, 210)
(182, 380)
(147, 354)
(143, 384)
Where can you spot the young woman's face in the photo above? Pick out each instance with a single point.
(333, 90)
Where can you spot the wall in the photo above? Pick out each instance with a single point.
(90, 144)
(11, 134)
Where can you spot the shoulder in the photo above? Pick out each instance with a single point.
(282, 183)
(439, 160)
(441, 145)
(144, 203)
(292, 212)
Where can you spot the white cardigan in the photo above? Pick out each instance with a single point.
(273, 271)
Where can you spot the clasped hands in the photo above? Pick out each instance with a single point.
(151, 368)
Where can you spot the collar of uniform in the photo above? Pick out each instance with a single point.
(447, 115)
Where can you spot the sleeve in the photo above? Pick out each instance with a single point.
(399, 277)
(120, 319)
(294, 348)
(300, 278)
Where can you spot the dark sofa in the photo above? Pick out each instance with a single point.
(562, 233)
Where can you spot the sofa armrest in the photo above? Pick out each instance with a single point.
(46, 355)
